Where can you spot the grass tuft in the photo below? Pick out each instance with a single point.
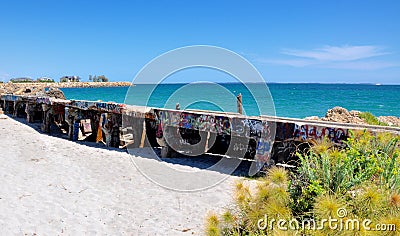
(212, 225)
(371, 119)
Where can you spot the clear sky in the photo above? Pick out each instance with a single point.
(287, 41)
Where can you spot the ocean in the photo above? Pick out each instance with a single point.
(286, 100)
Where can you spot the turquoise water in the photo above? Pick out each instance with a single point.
(290, 100)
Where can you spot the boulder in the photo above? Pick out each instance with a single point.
(312, 118)
(55, 93)
(390, 120)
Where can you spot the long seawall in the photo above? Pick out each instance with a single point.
(191, 132)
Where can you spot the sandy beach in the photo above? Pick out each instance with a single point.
(52, 186)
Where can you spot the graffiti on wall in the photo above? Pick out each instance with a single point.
(250, 128)
(261, 131)
(83, 105)
(110, 107)
(245, 129)
(11, 98)
(305, 132)
(263, 151)
(193, 121)
(43, 100)
(104, 106)
(284, 131)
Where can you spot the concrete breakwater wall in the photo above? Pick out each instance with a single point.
(191, 132)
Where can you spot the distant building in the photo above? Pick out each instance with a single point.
(45, 79)
(21, 80)
(70, 79)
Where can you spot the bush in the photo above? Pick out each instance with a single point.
(271, 200)
(361, 177)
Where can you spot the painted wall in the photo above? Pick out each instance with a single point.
(195, 132)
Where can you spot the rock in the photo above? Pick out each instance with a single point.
(390, 120)
(312, 118)
(33, 88)
(55, 93)
(342, 115)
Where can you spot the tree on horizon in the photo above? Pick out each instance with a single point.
(100, 78)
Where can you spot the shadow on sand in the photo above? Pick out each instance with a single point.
(205, 161)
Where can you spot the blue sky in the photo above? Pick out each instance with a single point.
(287, 41)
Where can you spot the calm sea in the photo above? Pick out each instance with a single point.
(289, 100)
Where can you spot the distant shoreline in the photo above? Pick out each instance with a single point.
(76, 84)
(271, 83)
(35, 87)
(127, 84)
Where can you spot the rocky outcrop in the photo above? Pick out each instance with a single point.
(55, 93)
(342, 115)
(21, 89)
(39, 88)
(52, 92)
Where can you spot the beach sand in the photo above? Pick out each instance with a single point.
(52, 186)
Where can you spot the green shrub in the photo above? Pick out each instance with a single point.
(371, 119)
(362, 177)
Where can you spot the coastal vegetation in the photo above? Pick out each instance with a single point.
(70, 79)
(64, 79)
(100, 78)
(29, 80)
(45, 80)
(357, 181)
(371, 119)
(21, 80)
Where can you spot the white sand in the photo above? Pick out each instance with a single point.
(52, 186)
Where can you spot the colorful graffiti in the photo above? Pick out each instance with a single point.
(168, 118)
(43, 100)
(246, 129)
(104, 106)
(249, 137)
(263, 146)
(284, 131)
(11, 98)
(222, 125)
(305, 132)
(251, 128)
(205, 123)
(83, 105)
(110, 107)
(193, 121)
